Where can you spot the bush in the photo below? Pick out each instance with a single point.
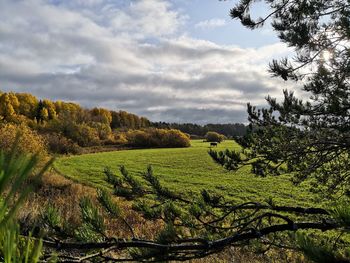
(120, 138)
(157, 138)
(29, 142)
(176, 138)
(139, 138)
(104, 131)
(83, 134)
(214, 137)
(57, 143)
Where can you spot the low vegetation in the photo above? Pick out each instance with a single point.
(159, 138)
(214, 137)
(15, 169)
(29, 142)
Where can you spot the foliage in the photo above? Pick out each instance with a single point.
(111, 177)
(8, 106)
(341, 212)
(138, 138)
(306, 138)
(14, 170)
(153, 137)
(51, 216)
(75, 125)
(106, 200)
(93, 227)
(91, 215)
(67, 126)
(154, 182)
(134, 187)
(85, 233)
(57, 143)
(322, 253)
(214, 137)
(120, 138)
(29, 142)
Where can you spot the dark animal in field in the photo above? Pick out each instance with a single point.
(213, 144)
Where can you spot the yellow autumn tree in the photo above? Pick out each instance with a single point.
(101, 115)
(7, 110)
(28, 105)
(51, 109)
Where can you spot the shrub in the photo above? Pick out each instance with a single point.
(51, 216)
(83, 134)
(29, 142)
(157, 138)
(176, 138)
(187, 135)
(120, 138)
(57, 143)
(104, 131)
(138, 138)
(214, 137)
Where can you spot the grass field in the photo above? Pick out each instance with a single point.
(186, 170)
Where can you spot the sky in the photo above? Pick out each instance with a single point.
(167, 60)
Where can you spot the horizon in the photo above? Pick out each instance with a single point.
(117, 110)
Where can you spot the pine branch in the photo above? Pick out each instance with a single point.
(192, 246)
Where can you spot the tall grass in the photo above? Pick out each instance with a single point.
(15, 169)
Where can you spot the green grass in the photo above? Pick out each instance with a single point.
(186, 170)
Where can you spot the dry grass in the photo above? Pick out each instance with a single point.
(65, 194)
(58, 191)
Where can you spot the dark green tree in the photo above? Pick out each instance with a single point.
(309, 138)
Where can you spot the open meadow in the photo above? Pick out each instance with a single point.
(188, 171)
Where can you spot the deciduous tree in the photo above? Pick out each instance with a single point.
(8, 104)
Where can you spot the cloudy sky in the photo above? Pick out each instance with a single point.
(168, 60)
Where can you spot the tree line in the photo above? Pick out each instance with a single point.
(16, 107)
(229, 129)
(66, 126)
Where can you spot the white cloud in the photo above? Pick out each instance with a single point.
(132, 57)
(211, 23)
(145, 19)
